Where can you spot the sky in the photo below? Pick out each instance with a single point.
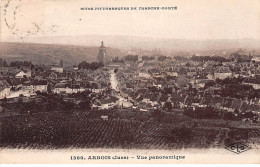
(193, 19)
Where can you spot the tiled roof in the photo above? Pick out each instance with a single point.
(39, 82)
(223, 70)
(141, 91)
(4, 84)
(61, 85)
(108, 100)
(128, 85)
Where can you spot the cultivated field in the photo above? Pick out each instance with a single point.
(123, 129)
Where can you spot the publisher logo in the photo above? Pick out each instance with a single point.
(237, 148)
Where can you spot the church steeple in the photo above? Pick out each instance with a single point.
(102, 54)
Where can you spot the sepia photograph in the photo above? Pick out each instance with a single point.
(129, 81)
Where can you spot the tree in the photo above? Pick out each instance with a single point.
(52, 102)
(187, 64)
(4, 100)
(91, 66)
(147, 58)
(167, 91)
(117, 60)
(3, 63)
(236, 111)
(67, 106)
(133, 58)
(20, 103)
(229, 116)
(202, 113)
(83, 65)
(86, 105)
(153, 89)
(209, 58)
(21, 63)
(95, 65)
(162, 58)
(168, 106)
(249, 115)
(209, 84)
(156, 113)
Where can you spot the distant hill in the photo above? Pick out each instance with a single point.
(169, 45)
(74, 49)
(52, 53)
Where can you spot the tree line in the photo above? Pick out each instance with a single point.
(90, 66)
(213, 113)
(3, 63)
(209, 58)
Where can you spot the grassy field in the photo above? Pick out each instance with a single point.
(123, 129)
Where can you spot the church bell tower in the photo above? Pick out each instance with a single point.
(102, 54)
